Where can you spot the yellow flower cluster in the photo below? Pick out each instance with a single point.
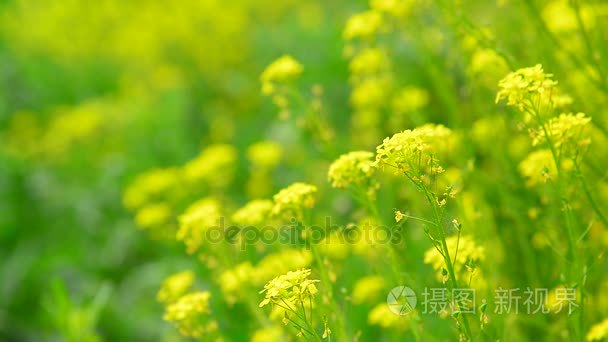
(254, 213)
(236, 281)
(380, 315)
(281, 262)
(368, 289)
(363, 25)
(396, 8)
(196, 220)
(353, 169)
(268, 334)
(214, 166)
(526, 87)
(410, 99)
(265, 154)
(153, 215)
(468, 256)
(175, 286)
(415, 152)
(290, 289)
(291, 201)
(598, 332)
(232, 280)
(565, 132)
(281, 71)
(188, 314)
(561, 18)
(150, 187)
(369, 62)
(538, 167)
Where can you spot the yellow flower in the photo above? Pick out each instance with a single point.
(188, 314)
(150, 186)
(292, 200)
(369, 62)
(370, 93)
(196, 220)
(254, 213)
(214, 166)
(399, 216)
(382, 316)
(267, 334)
(561, 17)
(282, 70)
(538, 167)
(362, 25)
(566, 129)
(231, 281)
(153, 215)
(524, 86)
(293, 288)
(410, 99)
(351, 169)
(397, 8)
(265, 154)
(368, 289)
(469, 254)
(280, 262)
(175, 286)
(415, 152)
(598, 331)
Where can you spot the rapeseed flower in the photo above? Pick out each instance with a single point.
(292, 288)
(196, 220)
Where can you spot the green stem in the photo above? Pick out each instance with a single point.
(447, 259)
(590, 198)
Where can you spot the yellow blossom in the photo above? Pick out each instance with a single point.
(416, 151)
(153, 215)
(292, 200)
(598, 332)
(196, 220)
(538, 167)
(294, 287)
(352, 169)
(368, 289)
(150, 186)
(214, 167)
(232, 280)
(265, 154)
(566, 130)
(175, 286)
(188, 314)
(410, 99)
(362, 25)
(267, 334)
(369, 62)
(469, 255)
(399, 216)
(525, 86)
(254, 213)
(280, 262)
(284, 69)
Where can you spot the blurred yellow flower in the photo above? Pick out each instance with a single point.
(175, 286)
(196, 220)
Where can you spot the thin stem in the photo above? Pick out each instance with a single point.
(447, 259)
(587, 192)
